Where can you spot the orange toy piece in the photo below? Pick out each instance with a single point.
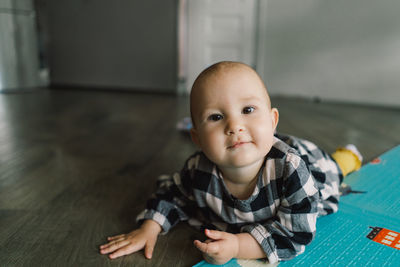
(385, 236)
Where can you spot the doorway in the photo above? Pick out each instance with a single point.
(214, 30)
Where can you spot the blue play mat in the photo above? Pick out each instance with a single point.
(341, 238)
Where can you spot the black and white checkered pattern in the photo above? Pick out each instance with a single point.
(297, 182)
(324, 169)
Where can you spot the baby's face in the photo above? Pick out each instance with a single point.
(234, 124)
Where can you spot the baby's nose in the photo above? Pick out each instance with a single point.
(234, 126)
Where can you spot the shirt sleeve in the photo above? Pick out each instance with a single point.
(285, 235)
(173, 201)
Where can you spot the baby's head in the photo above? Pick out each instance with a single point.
(233, 122)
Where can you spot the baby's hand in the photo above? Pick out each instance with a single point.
(144, 237)
(220, 248)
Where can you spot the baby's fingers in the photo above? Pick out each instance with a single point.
(111, 238)
(208, 248)
(215, 235)
(125, 250)
(149, 247)
(113, 246)
(109, 244)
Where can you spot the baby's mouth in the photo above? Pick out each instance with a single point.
(237, 144)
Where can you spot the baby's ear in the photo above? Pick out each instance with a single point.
(195, 137)
(274, 117)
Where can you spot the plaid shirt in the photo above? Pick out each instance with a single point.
(296, 183)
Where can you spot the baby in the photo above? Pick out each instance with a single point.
(255, 193)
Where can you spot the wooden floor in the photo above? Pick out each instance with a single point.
(77, 166)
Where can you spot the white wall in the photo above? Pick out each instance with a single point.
(19, 59)
(346, 50)
(122, 44)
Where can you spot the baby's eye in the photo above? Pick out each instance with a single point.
(248, 110)
(215, 117)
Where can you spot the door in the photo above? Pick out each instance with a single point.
(219, 30)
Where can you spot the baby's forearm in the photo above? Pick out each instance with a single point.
(249, 247)
(152, 226)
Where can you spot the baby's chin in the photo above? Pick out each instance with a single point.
(242, 162)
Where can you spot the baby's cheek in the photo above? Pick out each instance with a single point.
(213, 147)
(264, 137)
